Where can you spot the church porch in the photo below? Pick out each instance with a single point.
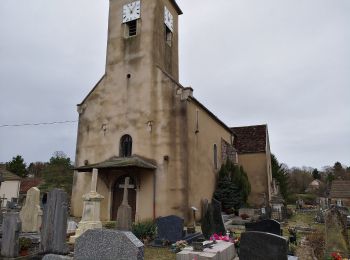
(111, 184)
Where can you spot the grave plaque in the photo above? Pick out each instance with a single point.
(170, 228)
(263, 246)
(108, 245)
(268, 225)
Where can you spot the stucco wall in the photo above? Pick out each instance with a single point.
(255, 165)
(202, 173)
(9, 189)
(144, 105)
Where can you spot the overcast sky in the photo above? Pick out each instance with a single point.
(282, 63)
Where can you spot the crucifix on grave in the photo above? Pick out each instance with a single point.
(124, 210)
(91, 210)
(126, 186)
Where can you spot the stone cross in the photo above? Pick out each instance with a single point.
(91, 210)
(126, 186)
(94, 180)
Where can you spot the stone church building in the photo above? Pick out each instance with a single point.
(140, 122)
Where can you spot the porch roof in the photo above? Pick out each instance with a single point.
(115, 162)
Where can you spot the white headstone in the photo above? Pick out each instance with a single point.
(91, 210)
(31, 213)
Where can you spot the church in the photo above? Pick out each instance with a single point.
(140, 122)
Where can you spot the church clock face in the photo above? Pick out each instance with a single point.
(168, 19)
(131, 11)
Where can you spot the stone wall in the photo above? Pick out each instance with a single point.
(228, 152)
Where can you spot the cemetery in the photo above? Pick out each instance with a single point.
(157, 176)
(37, 231)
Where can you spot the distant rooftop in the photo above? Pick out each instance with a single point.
(340, 189)
(7, 175)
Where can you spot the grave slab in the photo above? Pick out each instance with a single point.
(220, 251)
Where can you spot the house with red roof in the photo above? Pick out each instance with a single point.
(253, 150)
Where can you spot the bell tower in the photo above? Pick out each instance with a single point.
(143, 34)
(138, 97)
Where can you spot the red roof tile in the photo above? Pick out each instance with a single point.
(28, 183)
(250, 139)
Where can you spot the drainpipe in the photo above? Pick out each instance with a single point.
(154, 195)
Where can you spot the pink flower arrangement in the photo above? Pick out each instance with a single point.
(220, 237)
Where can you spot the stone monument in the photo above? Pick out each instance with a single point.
(262, 245)
(54, 227)
(124, 210)
(108, 245)
(11, 227)
(91, 211)
(31, 213)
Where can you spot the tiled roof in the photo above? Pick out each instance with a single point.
(29, 183)
(134, 161)
(7, 175)
(250, 139)
(340, 189)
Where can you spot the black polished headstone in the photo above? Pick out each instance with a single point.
(263, 246)
(170, 228)
(267, 225)
(219, 226)
(212, 221)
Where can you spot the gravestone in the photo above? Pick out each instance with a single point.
(336, 236)
(31, 213)
(11, 227)
(108, 245)
(212, 221)
(262, 246)
(170, 228)
(54, 227)
(91, 211)
(56, 257)
(219, 226)
(268, 225)
(124, 211)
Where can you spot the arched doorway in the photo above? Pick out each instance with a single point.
(118, 193)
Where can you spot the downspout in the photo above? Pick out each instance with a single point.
(154, 194)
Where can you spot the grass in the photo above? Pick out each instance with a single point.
(154, 253)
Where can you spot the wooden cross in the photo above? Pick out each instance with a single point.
(126, 186)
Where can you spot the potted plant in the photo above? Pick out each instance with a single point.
(24, 245)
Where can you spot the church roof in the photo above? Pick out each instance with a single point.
(115, 162)
(250, 139)
(340, 189)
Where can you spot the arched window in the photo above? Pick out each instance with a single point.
(215, 157)
(125, 149)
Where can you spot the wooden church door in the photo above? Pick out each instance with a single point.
(118, 193)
